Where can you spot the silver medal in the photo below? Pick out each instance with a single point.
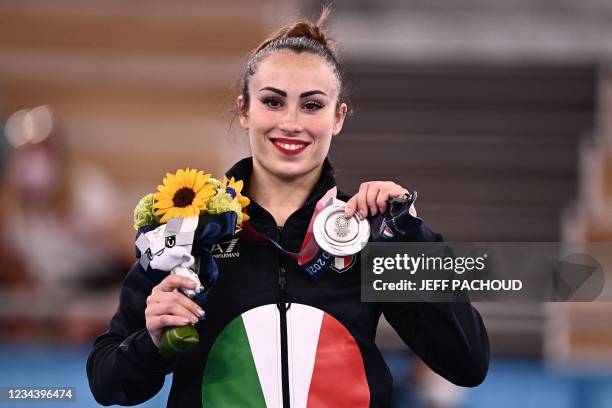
(338, 235)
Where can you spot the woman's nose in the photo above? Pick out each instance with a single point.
(289, 123)
(290, 127)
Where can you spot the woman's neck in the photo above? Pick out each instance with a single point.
(281, 197)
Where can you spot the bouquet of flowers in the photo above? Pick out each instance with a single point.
(176, 226)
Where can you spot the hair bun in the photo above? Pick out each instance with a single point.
(300, 36)
(304, 28)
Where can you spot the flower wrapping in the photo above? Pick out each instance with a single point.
(176, 226)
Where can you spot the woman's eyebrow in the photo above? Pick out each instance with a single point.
(275, 90)
(284, 94)
(315, 92)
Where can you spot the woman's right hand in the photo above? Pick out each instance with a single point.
(168, 307)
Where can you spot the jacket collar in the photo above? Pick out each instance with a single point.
(296, 225)
(244, 168)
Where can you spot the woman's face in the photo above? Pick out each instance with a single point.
(292, 113)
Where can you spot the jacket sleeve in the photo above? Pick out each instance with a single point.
(125, 367)
(450, 337)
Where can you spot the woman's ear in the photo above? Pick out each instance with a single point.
(339, 118)
(242, 109)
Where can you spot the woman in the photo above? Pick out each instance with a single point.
(273, 336)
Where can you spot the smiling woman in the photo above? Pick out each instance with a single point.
(293, 116)
(292, 102)
(273, 336)
(291, 121)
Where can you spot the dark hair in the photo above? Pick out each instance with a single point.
(301, 36)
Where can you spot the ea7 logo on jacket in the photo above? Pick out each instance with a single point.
(225, 249)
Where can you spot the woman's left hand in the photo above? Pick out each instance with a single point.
(372, 198)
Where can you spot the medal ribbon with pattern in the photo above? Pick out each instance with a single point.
(311, 259)
(330, 235)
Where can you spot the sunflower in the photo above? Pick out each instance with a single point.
(182, 194)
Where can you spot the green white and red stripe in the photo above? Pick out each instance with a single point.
(342, 263)
(325, 364)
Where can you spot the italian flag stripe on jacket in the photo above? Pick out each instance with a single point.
(325, 364)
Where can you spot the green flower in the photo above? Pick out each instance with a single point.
(143, 213)
(214, 182)
(223, 202)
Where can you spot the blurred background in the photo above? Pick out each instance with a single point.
(499, 112)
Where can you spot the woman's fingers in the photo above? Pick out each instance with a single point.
(171, 298)
(357, 202)
(156, 324)
(362, 203)
(381, 200)
(172, 282)
(373, 190)
(167, 307)
(175, 309)
(351, 207)
(372, 197)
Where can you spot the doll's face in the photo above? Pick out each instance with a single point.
(169, 244)
(292, 113)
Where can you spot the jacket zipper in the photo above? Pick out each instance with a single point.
(283, 306)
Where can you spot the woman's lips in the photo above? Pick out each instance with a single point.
(289, 146)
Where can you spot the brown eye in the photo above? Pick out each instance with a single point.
(312, 106)
(271, 102)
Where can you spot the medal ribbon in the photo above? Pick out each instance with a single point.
(392, 225)
(311, 258)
